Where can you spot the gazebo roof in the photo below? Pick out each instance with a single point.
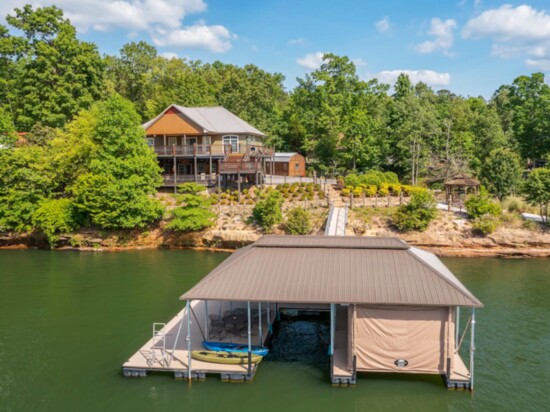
(462, 180)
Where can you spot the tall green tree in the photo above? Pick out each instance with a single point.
(118, 190)
(537, 191)
(53, 74)
(501, 172)
(530, 105)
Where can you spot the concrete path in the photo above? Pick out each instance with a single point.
(337, 221)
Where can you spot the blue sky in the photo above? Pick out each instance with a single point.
(470, 47)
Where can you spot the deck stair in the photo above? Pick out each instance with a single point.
(159, 345)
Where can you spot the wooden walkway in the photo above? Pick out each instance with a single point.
(172, 354)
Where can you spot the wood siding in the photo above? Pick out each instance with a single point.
(172, 123)
(295, 167)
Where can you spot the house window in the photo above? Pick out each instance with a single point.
(150, 141)
(200, 168)
(172, 141)
(233, 141)
(297, 166)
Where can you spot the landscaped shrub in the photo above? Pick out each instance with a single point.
(298, 222)
(351, 180)
(481, 204)
(417, 214)
(268, 212)
(54, 217)
(370, 190)
(391, 177)
(384, 189)
(345, 192)
(191, 188)
(194, 215)
(485, 224)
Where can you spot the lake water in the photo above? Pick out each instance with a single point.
(69, 320)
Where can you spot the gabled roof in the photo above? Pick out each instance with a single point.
(212, 120)
(462, 180)
(331, 269)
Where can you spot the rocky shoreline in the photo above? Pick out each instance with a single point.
(230, 240)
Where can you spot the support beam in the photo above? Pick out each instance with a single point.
(260, 332)
(188, 312)
(472, 348)
(332, 328)
(269, 328)
(249, 340)
(206, 334)
(195, 160)
(457, 327)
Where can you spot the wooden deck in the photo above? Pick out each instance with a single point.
(172, 356)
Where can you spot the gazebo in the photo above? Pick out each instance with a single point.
(461, 183)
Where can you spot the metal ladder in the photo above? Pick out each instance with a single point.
(159, 344)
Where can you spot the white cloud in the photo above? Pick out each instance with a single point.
(359, 62)
(383, 25)
(157, 16)
(214, 38)
(429, 77)
(169, 55)
(542, 65)
(443, 37)
(311, 61)
(515, 31)
(297, 41)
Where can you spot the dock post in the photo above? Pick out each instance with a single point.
(260, 331)
(188, 311)
(332, 327)
(457, 327)
(206, 320)
(269, 328)
(249, 341)
(472, 348)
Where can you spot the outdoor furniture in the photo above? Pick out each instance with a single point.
(217, 327)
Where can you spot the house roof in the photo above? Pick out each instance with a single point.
(283, 156)
(213, 120)
(330, 269)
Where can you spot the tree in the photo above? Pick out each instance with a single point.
(530, 105)
(501, 172)
(26, 180)
(117, 191)
(54, 217)
(267, 212)
(52, 73)
(7, 131)
(537, 190)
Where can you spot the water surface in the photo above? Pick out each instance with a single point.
(69, 320)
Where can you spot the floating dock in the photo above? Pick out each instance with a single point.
(167, 350)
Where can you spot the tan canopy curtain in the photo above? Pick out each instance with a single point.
(402, 339)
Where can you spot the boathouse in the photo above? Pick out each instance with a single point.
(393, 307)
(206, 145)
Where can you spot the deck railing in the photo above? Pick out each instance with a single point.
(206, 149)
(205, 179)
(240, 167)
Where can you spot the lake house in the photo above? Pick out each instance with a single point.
(207, 145)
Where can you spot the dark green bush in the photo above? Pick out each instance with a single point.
(268, 212)
(298, 222)
(481, 204)
(418, 214)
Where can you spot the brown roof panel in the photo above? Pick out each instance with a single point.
(315, 269)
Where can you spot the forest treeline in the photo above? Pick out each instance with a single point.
(338, 120)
